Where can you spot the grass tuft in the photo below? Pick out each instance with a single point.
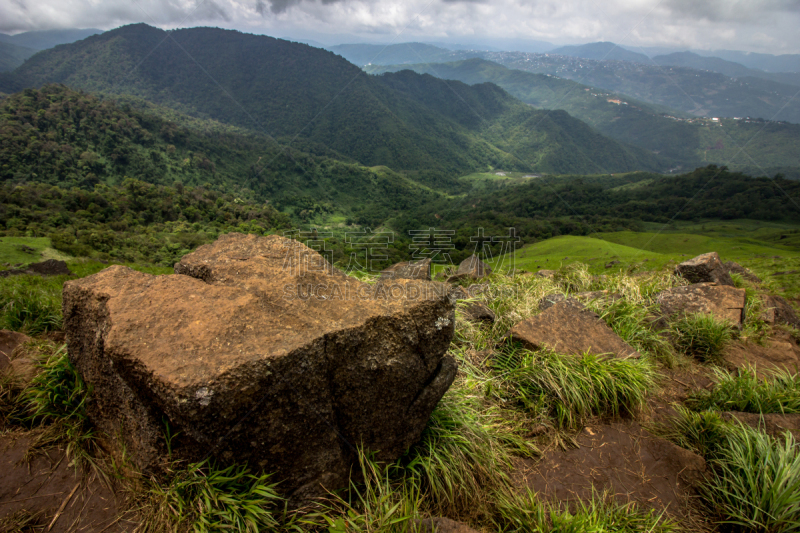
(631, 322)
(525, 512)
(572, 388)
(206, 498)
(702, 336)
(755, 485)
(31, 304)
(464, 455)
(777, 392)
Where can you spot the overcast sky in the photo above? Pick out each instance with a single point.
(769, 26)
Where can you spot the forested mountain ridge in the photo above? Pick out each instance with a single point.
(688, 142)
(65, 138)
(289, 89)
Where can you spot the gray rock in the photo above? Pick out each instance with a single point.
(259, 351)
(409, 270)
(568, 328)
(706, 268)
(722, 301)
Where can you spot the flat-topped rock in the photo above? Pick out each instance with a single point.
(721, 301)
(259, 351)
(569, 328)
(705, 268)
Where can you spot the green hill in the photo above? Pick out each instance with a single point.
(61, 137)
(292, 90)
(729, 68)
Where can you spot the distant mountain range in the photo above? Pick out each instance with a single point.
(689, 142)
(699, 91)
(42, 40)
(15, 49)
(603, 51)
(290, 90)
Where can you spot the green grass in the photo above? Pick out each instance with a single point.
(630, 321)
(777, 392)
(572, 388)
(465, 454)
(208, 498)
(702, 336)
(601, 514)
(552, 254)
(32, 304)
(11, 250)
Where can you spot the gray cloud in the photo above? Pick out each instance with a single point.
(754, 25)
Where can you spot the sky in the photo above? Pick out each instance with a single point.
(768, 26)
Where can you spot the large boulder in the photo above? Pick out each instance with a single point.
(706, 268)
(258, 350)
(724, 302)
(569, 328)
(409, 270)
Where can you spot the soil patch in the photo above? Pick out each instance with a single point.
(48, 483)
(622, 459)
(779, 353)
(9, 341)
(773, 424)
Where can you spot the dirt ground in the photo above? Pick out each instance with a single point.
(61, 499)
(624, 460)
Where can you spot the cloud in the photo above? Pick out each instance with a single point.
(753, 25)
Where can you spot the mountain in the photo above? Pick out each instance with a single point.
(290, 90)
(614, 115)
(728, 68)
(396, 54)
(698, 92)
(766, 62)
(689, 142)
(42, 40)
(600, 51)
(12, 56)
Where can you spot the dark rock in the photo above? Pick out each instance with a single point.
(706, 268)
(51, 267)
(409, 270)
(722, 301)
(473, 311)
(736, 268)
(612, 263)
(259, 351)
(779, 311)
(546, 273)
(568, 328)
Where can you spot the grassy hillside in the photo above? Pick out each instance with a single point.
(280, 88)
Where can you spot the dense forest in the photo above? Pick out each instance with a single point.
(280, 88)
